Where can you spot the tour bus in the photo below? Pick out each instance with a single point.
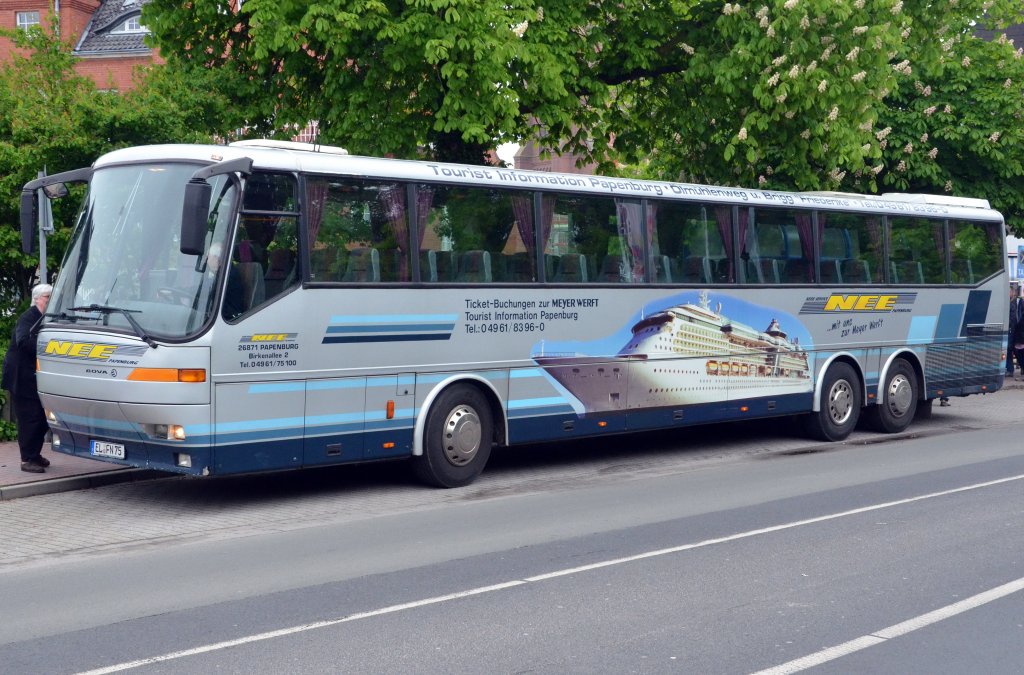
(267, 305)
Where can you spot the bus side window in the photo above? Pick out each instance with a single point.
(594, 240)
(975, 251)
(475, 235)
(358, 231)
(917, 254)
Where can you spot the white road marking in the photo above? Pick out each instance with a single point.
(894, 631)
(854, 645)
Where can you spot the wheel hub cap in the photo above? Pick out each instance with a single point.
(840, 402)
(898, 396)
(462, 435)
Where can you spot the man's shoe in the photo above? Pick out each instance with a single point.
(32, 467)
(42, 461)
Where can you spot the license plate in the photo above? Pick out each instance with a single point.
(104, 449)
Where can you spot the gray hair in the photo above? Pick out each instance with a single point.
(41, 289)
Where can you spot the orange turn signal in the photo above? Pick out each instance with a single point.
(391, 410)
(168, 375)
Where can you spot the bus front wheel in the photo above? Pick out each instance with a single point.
(897, 409)
(840, 405)
(457, 438)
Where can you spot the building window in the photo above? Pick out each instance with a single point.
(132, 25)
(24, 20)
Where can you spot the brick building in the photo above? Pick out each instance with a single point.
(107, 35)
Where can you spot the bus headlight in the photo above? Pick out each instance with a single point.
(50, 417)
(183, 459)
(169, 432)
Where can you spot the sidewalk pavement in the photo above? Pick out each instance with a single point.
(65, 472)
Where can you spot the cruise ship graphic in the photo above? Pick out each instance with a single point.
(684, 355)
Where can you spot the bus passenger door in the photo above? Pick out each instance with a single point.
(334, 421)
(389, 416)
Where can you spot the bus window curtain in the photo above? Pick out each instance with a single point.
(522, 209)
(630, 215)
(805, 227)
(723, 216)
(316, 195)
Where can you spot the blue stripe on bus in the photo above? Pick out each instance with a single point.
(326, 385)
(396, 318)
(948, 327)
(92, 422)
(388, 338)
(387, 328)
(276, 387)
(525, 373)
(537, 402)
(922, 329)
(525, 413)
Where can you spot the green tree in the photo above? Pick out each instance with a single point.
(777, 92)
(957, 129)
(53, 118)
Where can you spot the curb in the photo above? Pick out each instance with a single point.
(46, 487)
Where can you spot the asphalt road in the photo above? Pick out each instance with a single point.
(727, 549)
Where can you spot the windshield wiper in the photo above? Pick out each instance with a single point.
(127, 314)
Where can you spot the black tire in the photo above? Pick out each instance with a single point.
(899, 400)
(457, 438)
(840, 405)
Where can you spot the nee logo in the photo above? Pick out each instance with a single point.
(80, 350)
(860, 303)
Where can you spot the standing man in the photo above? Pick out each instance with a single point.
(19, 377)
(1017, 327)
(1012, 332)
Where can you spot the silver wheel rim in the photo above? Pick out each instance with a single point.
(899, 395)
(461, 435)
(840, 402)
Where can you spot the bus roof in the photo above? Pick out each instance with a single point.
(271, 155)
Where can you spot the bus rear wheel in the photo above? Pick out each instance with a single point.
(840, 405)
(899, 405)
(457, 438)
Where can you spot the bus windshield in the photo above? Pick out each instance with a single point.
(124, 268)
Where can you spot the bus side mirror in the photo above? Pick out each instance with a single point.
(194, 215)
(29, 217)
